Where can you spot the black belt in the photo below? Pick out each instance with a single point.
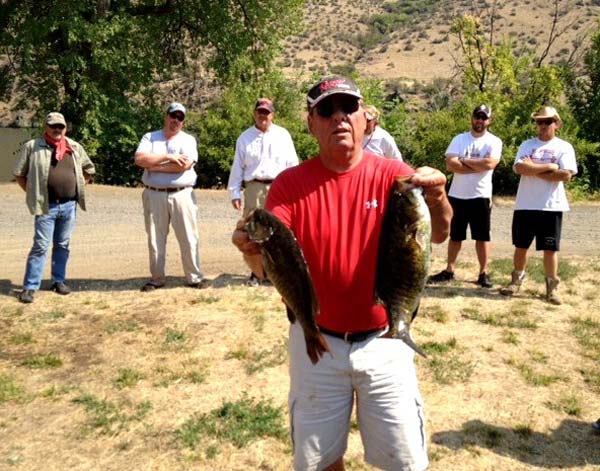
(264, 182)
(168, 190)
(61, 200)
(352, 337)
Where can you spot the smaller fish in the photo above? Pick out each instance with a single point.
(403, 258)
(286, 267)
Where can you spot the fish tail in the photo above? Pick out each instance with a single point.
(404, 335)
(316, 346)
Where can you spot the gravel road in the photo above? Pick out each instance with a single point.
(109, 242)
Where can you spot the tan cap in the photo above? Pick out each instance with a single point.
(372, 113)
(546, 112)
(55, 118)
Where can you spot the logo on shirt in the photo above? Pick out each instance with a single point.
(371, 204)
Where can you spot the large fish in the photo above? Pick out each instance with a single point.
(286, 267)
(403, 258)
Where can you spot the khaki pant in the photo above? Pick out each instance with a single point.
(255, 195)
(178, 210)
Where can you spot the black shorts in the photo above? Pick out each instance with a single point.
(476, 213)
(544, 226)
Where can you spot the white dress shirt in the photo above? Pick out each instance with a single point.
(260, 156)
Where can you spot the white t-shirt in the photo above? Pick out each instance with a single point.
(260, 155)
(536, 193)
(180, 143)
(465, 146)
(381, 143)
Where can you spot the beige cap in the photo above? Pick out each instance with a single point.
(546, 112)
(55, 118)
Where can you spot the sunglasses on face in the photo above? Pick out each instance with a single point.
(263, 112)
(544, 122)
(481, 117)
(57, 126)
(178, 116)
(326, 108)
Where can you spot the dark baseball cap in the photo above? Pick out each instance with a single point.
(264, 104)
(483, 109)
(331, 85)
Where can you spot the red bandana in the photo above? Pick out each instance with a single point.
(61, 145)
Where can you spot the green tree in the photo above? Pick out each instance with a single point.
(99, 61)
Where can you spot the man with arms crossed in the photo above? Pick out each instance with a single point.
(544, 163)
(472, 157)
(168, 157)
(334, 204)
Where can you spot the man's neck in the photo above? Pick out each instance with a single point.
(169, 134)
(342, 161)
(262, 129)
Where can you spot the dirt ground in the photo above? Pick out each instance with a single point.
(109, 242)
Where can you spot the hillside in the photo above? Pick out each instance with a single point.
(404, 39)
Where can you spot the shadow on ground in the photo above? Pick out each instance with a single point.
(8, 288)
(574, 443)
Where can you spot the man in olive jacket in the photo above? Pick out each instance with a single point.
(52, 170)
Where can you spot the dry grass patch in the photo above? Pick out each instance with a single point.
(186, 379)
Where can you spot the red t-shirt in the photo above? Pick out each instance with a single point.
(336, 218)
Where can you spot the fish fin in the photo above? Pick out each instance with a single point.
(415, 312)
(404, 335)
(316, 347)
(290, 314)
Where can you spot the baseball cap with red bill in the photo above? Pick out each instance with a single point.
(264, 104)
(331, 85)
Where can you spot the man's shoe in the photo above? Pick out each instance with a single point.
(517, 279)
(551, 294)
(60, 288)
(203, 283)
(484, 280)
(150, 287)
(26, 296)
(441, 277)
(253, 280)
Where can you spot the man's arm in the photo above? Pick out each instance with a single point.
(558, 175)
(528, 167)
(172, 167)
(434, 190)
(456, 165)
(249, 249)
(236, 176)
(22, 182)
(147, 160)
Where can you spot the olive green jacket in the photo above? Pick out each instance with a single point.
(34, 164)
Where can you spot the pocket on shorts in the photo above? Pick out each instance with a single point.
(291, 406)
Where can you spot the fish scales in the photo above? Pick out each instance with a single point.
(403, 258)
(286, 267)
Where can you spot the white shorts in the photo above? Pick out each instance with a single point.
(389, 406)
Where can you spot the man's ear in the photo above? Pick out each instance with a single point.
(309, 123)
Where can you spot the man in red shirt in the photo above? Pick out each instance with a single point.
(334, 204)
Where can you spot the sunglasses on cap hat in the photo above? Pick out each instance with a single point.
(326, 108)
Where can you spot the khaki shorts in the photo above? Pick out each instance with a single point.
(381, 373)
(255, 195)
